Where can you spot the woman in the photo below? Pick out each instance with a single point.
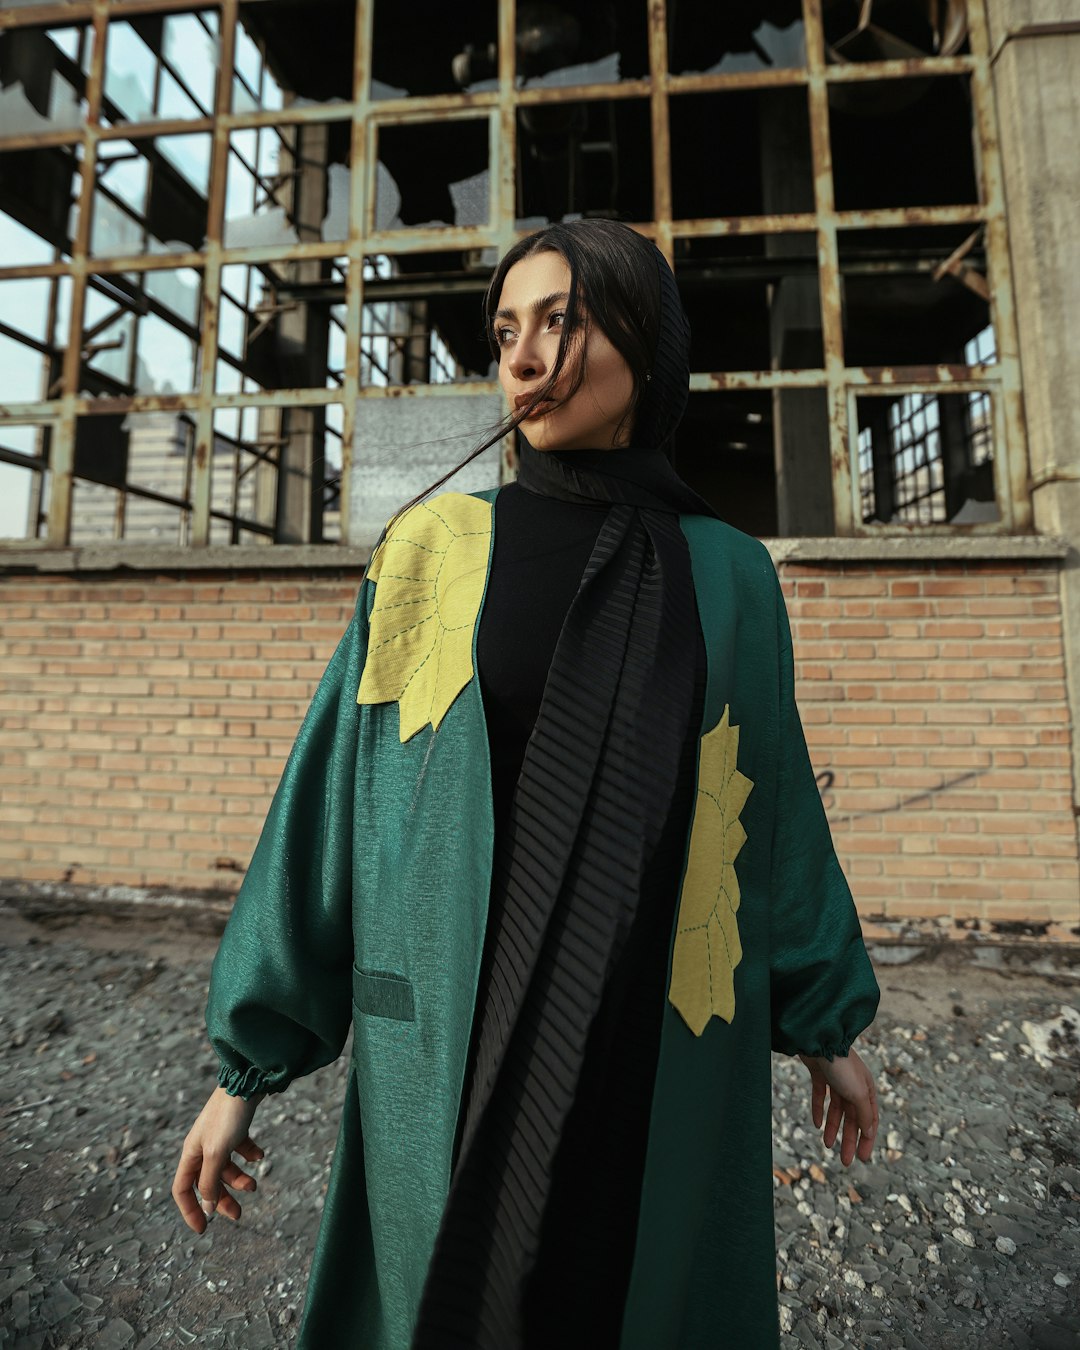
(550, 839)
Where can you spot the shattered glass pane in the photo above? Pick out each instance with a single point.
(151, 195)
(733, 41)
(294, 53)
(432, 174)
(38, 192)
(161, 67)
(287, 183)
(459, 52)
(42, 79)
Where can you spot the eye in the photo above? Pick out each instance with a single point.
(502, 340)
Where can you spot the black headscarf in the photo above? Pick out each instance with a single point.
(595, 788)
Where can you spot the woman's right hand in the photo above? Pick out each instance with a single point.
(220, 1130)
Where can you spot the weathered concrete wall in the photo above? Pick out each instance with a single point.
(1036, 66)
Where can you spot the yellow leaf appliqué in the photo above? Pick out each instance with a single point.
(707, 947)
(430, 574)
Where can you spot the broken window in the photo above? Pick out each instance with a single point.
(745, 152)
(726, 449)
(893, 30)
(926, 458)
(766, 289)
(422, 320)
(705, 38)
(141, 333)
(38, 204)
(576, 159)
(34, 314)
(902, 142)
(432, 174)
(43, 78)
(133, 476)
(294, 52)
(150, 195)
(458, 54)
(276, 474)
(849, 354)
(160, 66)
(562, 45)
(286, 184)
(282, 326)
(913, 296)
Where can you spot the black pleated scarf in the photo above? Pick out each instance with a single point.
(597, 781)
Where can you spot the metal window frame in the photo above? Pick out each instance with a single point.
(1000, 379)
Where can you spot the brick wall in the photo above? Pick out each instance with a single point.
(936, 714)
(146, 722)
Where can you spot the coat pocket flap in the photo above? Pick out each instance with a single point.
(383, 993)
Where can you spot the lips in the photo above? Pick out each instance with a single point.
(541, 409)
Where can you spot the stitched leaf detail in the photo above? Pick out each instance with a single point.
(707, 947)
(430, 574)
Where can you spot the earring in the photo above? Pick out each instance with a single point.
(648, 375)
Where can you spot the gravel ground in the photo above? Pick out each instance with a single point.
(963, 1232)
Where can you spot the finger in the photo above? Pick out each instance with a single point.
(866, 1113)
(851, 1133)
(235, 1176)
(836, 1112)
(817, 1101)
(183, 1191)
(210, 1180)
(249, 1149)
(229, 1206)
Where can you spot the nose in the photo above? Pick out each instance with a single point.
(526, 361)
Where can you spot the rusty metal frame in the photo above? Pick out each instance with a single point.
(842, 383)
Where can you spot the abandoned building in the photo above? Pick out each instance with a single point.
(243, 248)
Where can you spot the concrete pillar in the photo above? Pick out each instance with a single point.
(1037, 57)
(801, 450)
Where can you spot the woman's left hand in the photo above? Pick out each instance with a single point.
(852, 1101)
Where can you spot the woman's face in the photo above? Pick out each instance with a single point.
(528, 322)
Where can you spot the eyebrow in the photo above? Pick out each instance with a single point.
(538, 306)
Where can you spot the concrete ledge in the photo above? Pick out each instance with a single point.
(37, 557)
(174, 558)
(924, 549)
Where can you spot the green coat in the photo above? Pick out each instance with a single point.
(366, 902)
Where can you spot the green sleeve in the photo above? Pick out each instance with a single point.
(822, 985)
(279, 1003)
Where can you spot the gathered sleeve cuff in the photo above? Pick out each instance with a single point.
(823, 991)
(247, 1082)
